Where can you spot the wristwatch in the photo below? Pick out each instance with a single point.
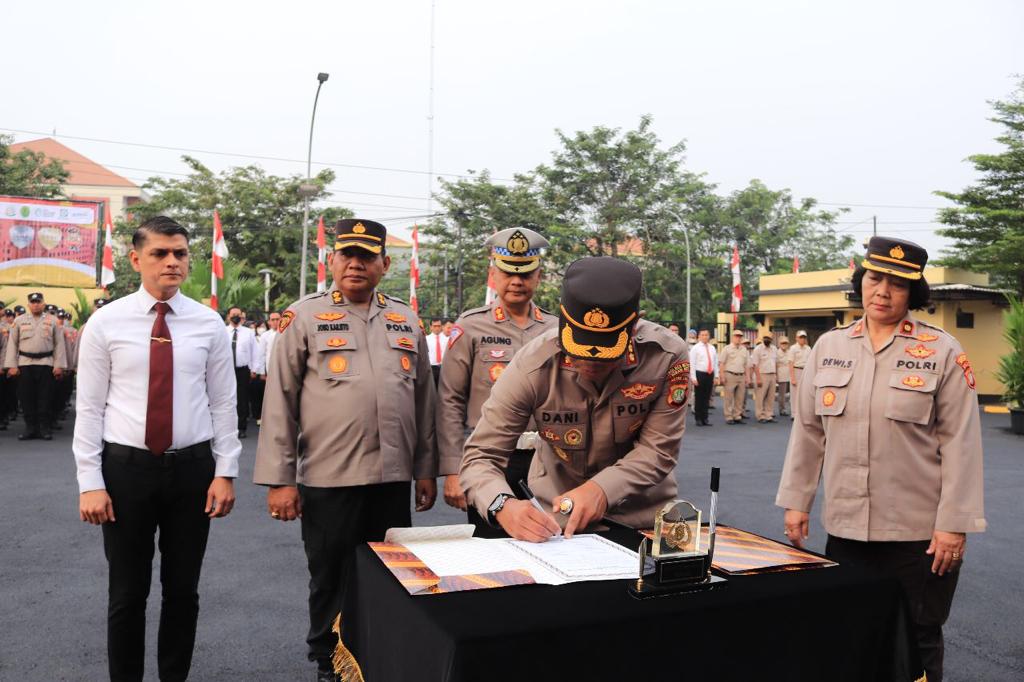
(496, 506)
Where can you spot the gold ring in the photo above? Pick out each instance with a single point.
(565, 506)
(956, 555)
(275, 515)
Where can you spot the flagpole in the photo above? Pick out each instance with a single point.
(686, 236)
(306, 189)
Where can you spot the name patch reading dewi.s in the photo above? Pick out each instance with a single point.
(499, 340)
(917, 364)
(333, 327)
(399, 328)
(560, 417)
(631, 409)
(837, 362)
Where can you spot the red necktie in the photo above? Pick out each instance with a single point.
(437, 343)
(160, 406)
(707, 349)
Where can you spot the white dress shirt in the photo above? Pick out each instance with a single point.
(699, 359)
(432, 340)
(246, 352)
(113, 383)
(264, 347)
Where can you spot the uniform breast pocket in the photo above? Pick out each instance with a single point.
(911, 397)
(404, 350)
(628, 418)
(336, 357)
(26, 332)
(831, 387)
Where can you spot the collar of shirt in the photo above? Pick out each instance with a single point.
(146, 301)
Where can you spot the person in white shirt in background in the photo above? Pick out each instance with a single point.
(264, 346)
(437, 346)
(244, 352)
(703, 374)
(155, 448)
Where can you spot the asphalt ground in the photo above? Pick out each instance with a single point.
(252, 621)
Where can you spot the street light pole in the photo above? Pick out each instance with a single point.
(266, 290)
(686, 236)
(305, 190)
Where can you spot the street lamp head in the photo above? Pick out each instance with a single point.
(266, 271)
(308, 189)
(322, 77)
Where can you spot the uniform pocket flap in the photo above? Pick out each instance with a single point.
(336, 341)
(831, 376)
(914, 381)
(406, 342)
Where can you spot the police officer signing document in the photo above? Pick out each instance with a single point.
(482, 344)
(348, 421)
(608, 393)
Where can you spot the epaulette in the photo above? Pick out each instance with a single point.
(309, 297)
(475, 311)
(847, 325)
(531, 359)
(649, 332)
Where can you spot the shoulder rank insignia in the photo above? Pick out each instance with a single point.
(454, 335)
(337, 297)
(631, 360)
(382, 300)
(419, 320)
(499, 314)
(637, 391)
(405, 342)
(329, 317)
(913, 381)
(927, 337)
(395, 317)
(920, 351)
(537, 314)
(286, 320)
(965, 365)
(858, 328)
(907, 327)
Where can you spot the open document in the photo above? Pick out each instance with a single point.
(453, 552)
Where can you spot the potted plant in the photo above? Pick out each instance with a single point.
(1011, 365)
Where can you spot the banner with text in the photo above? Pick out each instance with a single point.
(48, 242)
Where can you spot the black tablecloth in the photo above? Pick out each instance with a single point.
(830, 623)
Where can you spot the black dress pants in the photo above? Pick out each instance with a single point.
(149, 493)
(35, 391)
(242, 378)
(929, 595)
(702, 395)
(334, 522)
(257, 388)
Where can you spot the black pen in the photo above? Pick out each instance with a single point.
(533, 500)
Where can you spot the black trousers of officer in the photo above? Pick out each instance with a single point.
(517, 470)
(929, 595)
(149, 493)
(702, 395)
(242, 378)
(334, 522)
(257, 388)
(5, 386)
(35, 392)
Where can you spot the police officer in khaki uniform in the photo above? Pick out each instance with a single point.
(5, 385)
(782, 375)
(764, 362)
(888, 415)
(348, 420)
(482, 344)
(798, 355)
(734, 368)
(67, 385)
(608, 394)
(35, 353)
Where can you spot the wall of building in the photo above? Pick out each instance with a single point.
(120, 198)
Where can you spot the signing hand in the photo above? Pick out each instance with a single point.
(796, 523)
(220, 497)
(523, 521)
(948, 549)
(453, 494)
(589, 503)
(426, 493)
(283, 503)
(95, 507)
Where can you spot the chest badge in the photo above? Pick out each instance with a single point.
(913, 381)
(550, 436)
(562, 454)
(336, 342)
(497, 354)
(395, 317)
(405, 341)
(337, 364)
(637, 391)
(920, 351)
(329, 317)
(828, 398)
(927, 337)
(496, 370)
(573, 437)
(406, 363)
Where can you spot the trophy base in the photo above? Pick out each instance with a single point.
(649, 588)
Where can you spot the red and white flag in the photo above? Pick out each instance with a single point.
(492, 293)
(737, 289)
(107, 271)
(796, 263)
(852, 267)
(321, 257)
(414, 270)
(220, 252)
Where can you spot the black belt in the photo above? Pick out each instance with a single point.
(128, 453)
(36, 356)
(739, 374)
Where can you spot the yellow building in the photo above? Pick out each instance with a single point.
(962, 303)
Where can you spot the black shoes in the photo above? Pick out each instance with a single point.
(28, 435)
(46, 435)
(243, 434)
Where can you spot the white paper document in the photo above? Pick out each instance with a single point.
(452, 550)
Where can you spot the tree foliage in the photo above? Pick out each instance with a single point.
(30, 174)
(987, 226)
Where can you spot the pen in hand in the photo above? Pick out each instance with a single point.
(533, 500)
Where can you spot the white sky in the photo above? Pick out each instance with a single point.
(874, 103)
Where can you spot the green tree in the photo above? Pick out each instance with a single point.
(30, 174)
(987, 226)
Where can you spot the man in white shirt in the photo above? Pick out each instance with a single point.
(437, 345)
(246, 357)
(264, 346)
(703, 374)
(155, 447)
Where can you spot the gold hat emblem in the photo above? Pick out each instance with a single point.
(897, 252)
(596, 317)
(359, 228)
(517, 243)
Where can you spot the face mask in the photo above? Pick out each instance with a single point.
(235, 319)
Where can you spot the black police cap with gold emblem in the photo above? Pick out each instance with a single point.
(19, 310)
(35, 297)
(600, 307)
(360, 233)
(895, 257)
(8, 312)
(99, 302)
(516, 250)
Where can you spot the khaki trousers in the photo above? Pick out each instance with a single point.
(783, 394)
(798, 373)
(735, 393)
(764, 397)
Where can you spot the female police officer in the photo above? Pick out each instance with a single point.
(888, 413)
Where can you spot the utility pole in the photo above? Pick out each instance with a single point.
(874, 225)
